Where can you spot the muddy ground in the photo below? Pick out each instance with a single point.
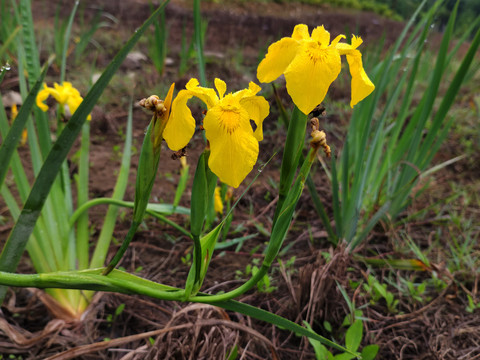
(237, 34)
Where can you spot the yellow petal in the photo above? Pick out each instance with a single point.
(181, 124)
(356, 41)
(168, 101)
(256, 106)
(207, 95)
(321, 35)
(252, 90)
(233, 149)
(344, 48)
(300, 32)
(73, 103)
(310, 74)
(42, 96)
(280, 54)
(221, 87)
(336, 40)
(258, 109)
(362, 86)
(59, 93)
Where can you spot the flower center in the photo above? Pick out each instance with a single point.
(317, 52)
(230, 118)
(230, 114)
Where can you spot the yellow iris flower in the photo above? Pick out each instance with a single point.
(233, 142)
(64, 94)
(311, 63)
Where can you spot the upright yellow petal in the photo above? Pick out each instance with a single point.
(181, 124)
(362, 86)
(258, 109)
(233, 148)
(168, 101)
(300, 32)
(256, 106)
(322, 36)
(221, 87)
(336, 40)
(280, 54)
(310, 74)
(356, 41)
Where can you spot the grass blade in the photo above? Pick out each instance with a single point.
(278, 321)
(66, 38)
(197, 23)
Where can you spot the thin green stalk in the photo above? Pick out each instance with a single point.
(125, 283)
(9, 40)
(83, 233)
(279, 232)
(126, 204)
(317, 203)
(291, 156)
(197, 24)
(146, 174)
(66, 39)
(123, 248)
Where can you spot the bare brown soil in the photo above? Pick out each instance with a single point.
(151, 329)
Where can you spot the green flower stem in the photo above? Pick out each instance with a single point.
(82, 235)
(291, 156)
(126, 204)
(126, 242)
(92, 279)
(279, 233)
(197, 258)
(197, 218)
(122, 282)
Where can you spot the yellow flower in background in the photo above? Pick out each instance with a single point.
(233, 142)
(14, 113)
(64, 94)
(311, 63)
(217, 201)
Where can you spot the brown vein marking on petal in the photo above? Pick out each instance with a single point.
(230, 118)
